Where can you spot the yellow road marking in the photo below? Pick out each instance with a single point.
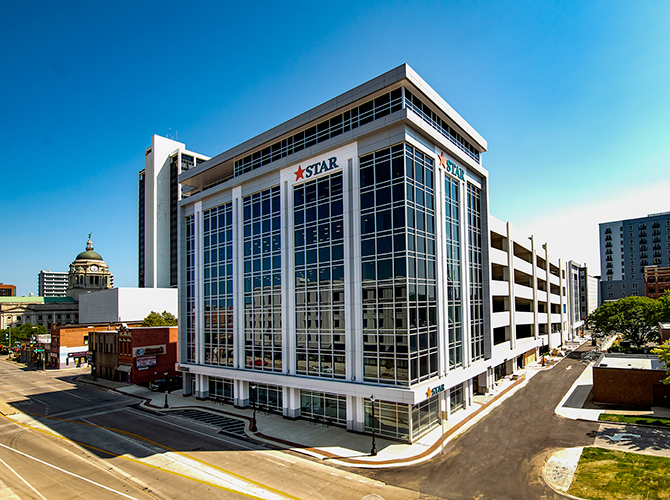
(256, 483)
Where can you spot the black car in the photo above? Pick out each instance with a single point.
(166, 384)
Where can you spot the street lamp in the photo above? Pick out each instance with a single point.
(373, 451)
(253, 427)
(166, 391)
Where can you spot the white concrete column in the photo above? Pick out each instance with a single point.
(201, 386)
(355, 414)
(241, 393)
(353, 304)
(238, 283)
(291, 402)
(288, 275)
(512, 295)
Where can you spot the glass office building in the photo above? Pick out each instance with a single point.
(341, 258)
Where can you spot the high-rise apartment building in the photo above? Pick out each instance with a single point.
(342, 259)
(52, 284)
(159, 195)
(626, 247)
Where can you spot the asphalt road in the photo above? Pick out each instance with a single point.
(501, 457)
(75, 441)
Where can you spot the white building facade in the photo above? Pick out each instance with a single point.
(343, 258)
(126, 304)
(159, 195)
(532, 303)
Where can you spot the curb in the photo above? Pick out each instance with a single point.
(550, 484)
(318, 453)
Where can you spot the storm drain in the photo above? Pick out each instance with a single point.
(225, 424)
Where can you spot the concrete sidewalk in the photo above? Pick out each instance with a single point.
(332, 443)
(353, 449)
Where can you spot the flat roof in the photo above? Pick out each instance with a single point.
(35, 300)
(404, 72)
(632, 361)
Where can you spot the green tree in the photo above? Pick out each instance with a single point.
(664, 307)
(18, 333)
(663, 352)
(155, 319)
(635, 318)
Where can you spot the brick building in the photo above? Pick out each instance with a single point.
(656, 281)
(634, 380)
(137, 355)
(70, 343)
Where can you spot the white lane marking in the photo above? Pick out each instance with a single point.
(620, 436)
(24, 481)
(105, 412)
(275, 456)
(68, 472)
(209, 436)
(95, 407)
(38, 400)
(73, 395)
(183, 464)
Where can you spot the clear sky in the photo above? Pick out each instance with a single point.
(572, 97)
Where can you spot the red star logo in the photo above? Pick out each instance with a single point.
(443, 161)
(299, 172)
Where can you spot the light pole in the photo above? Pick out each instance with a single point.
(373, 451)
(253, 427)
(166, 391)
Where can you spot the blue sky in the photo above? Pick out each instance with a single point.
(572, 97)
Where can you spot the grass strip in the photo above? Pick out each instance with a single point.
(632, 419)
(613, 475)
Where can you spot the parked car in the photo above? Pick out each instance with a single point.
(166, 384)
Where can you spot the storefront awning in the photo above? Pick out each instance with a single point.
(125, 368)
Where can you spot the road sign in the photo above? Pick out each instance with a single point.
(44, 338)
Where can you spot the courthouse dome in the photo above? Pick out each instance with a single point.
(89, 254)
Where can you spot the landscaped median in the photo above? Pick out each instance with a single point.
(633, 419)
(612, 475)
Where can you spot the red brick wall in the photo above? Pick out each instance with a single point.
(625, 386)
(159, 335)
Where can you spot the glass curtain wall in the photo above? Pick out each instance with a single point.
(475, 268)
(190, 289)
(262, 281)
(319, 277)
(218, 285)
(398, 266)
(323, 406)
(453, 272)
(221, 389)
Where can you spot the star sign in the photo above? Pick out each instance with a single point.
(299, 172)
(429, 392)
(443, 161)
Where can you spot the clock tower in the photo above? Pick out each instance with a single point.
(88, 273)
